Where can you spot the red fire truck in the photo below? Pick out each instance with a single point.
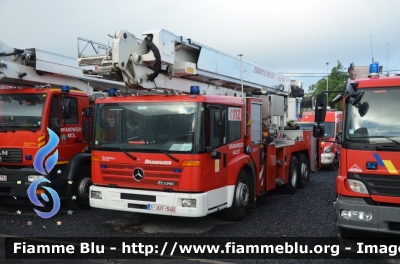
(199, 136)
(330, 150)
(40, 90)
(368, 184)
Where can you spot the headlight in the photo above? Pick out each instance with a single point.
(356, 215)
(357, 186)
(96, 195)
(189, 203)
(328, 149)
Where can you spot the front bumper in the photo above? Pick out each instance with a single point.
(385, 219)
(17, 182)
(140, 201)
(327, 158)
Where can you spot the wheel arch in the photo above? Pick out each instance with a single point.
(76, 162)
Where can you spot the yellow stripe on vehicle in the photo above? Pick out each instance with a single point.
(41, 137)
(390, 167)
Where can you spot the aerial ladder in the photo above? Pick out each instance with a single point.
(160, 65)
(196, 130)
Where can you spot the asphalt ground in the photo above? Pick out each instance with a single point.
(307, 213)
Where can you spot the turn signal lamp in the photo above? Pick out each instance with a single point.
(65, 89)
(194, 89)
(95, 158)
(191, 163)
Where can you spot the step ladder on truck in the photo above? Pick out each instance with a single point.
(195, 131)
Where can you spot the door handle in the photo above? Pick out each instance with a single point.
(78, 140)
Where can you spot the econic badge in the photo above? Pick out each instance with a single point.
(49, 165)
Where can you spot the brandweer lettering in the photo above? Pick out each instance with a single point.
(159, 162)
(237, 145)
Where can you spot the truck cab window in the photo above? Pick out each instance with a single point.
(54, 116)
(74, 110)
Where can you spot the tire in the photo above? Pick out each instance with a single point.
(334, 164)
(290, 187)
(80, 189)
(241, 200)
(304, 173)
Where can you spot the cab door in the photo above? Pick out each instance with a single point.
(218, 142)
(68, 127)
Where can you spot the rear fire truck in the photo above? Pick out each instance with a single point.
(35, 95)
(368, 184)
(330, 150)
(198, 136)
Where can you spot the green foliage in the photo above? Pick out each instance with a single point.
(336, 81)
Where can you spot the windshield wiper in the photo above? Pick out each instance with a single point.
(387, 137)
(3, 129)
(29, 128)
(129, 155)
(169, 155)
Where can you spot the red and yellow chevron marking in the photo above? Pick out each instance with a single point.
(41, 141)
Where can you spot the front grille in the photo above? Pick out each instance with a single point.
(14, 155)
(123, 174)
(385, 185)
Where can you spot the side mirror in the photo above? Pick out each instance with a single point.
(320, 108)
(86, 112)
(358, 98)
(219, 125)
(67, 109)
(318, 131)
(86, 131)
(339, 138)
(363, 109)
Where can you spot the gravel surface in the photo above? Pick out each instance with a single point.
(307, 213)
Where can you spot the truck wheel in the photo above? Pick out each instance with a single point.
(334, 164)
(241, 199)
(80, 189)
(304, 174)
(290, 187)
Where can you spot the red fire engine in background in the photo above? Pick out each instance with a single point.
(330, 150)
(35, 95)
(368, 182)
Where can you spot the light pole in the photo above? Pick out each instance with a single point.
(241, 72)
(327, 75)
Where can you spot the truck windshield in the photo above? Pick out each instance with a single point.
(329, 129)
(375, 119)
(21, 111)
(148, 127)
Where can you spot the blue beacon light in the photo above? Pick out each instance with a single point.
(112, 92)
(374, 69)
(65, 89)
(194, 89)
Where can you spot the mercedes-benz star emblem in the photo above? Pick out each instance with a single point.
(138, 174)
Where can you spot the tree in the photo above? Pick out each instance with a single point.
(337, 81)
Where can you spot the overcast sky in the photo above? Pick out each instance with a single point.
(290, 36)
